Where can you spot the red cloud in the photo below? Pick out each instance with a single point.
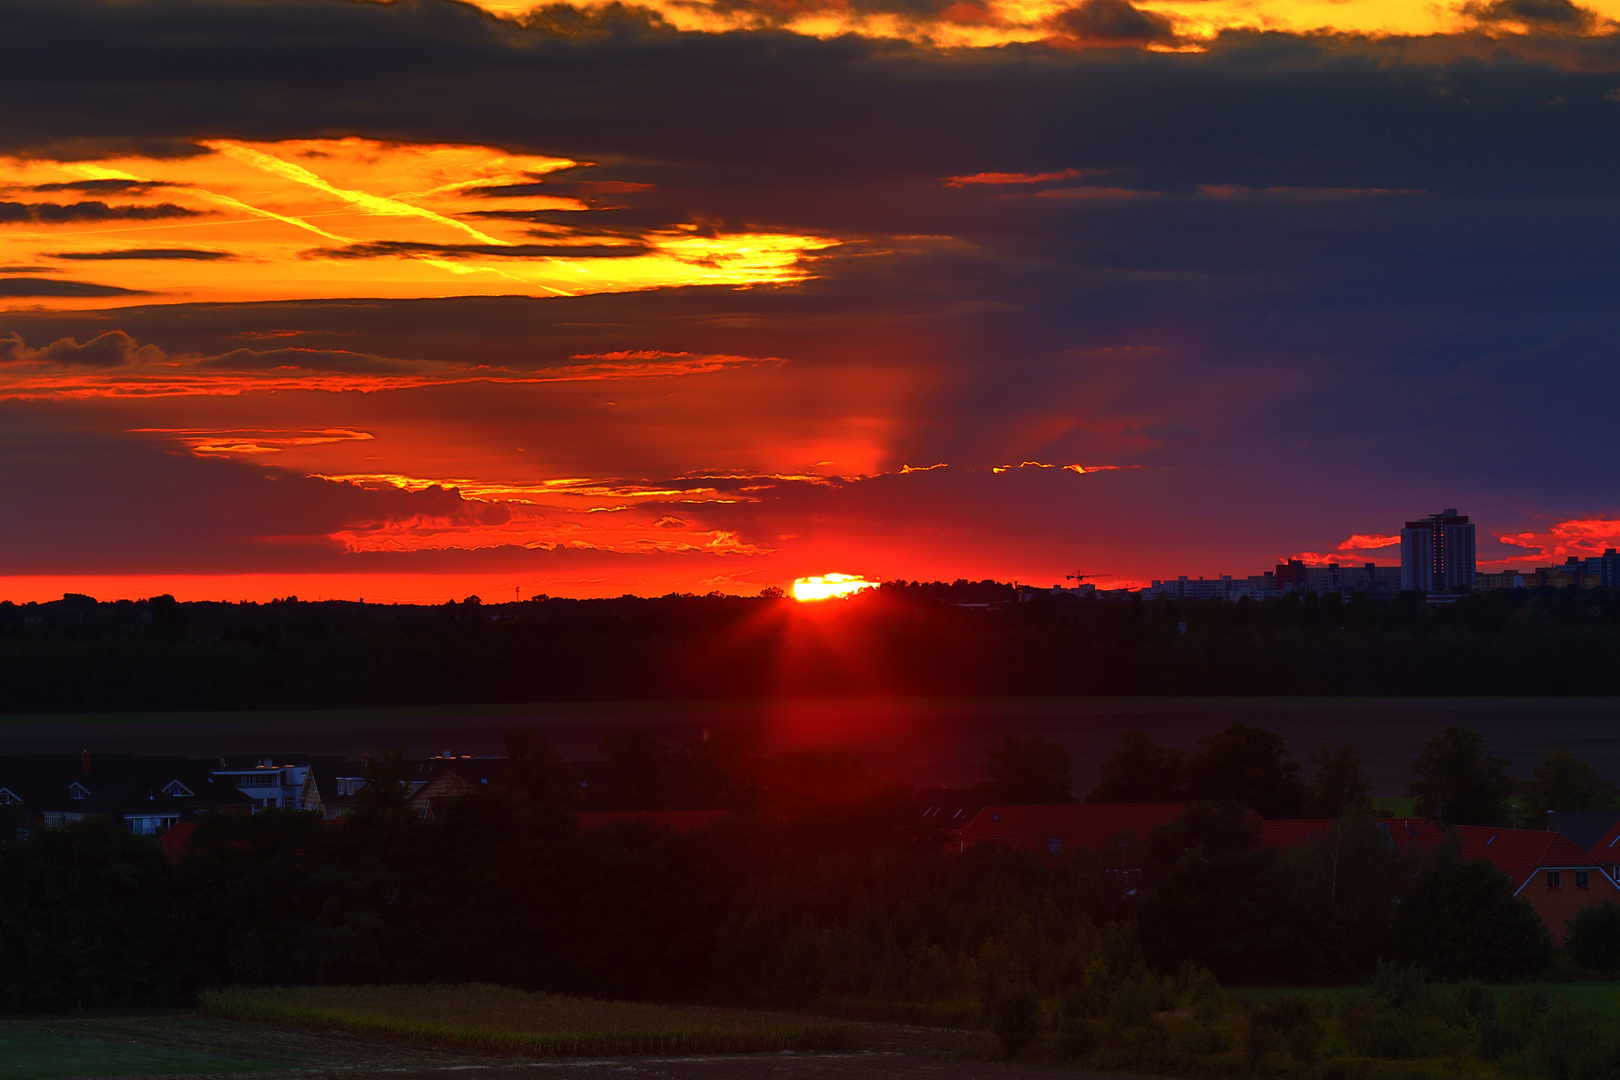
(1010, 178)
(1368, 541)
(1573, 536)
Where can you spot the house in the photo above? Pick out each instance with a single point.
(449, 777)
(1586, 829)
(947, 807)
(270, 784)
(173, 842)
(333, 784)
(1063, 827)
(143, 792)
(1605, 851)
(681, 821)
(1549, 871)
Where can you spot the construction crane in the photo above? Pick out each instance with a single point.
(1082, 577)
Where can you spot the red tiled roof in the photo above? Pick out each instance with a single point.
(1073, 825)
(678, 820)
(1607, 849)
(1519, 853)
(173, 841)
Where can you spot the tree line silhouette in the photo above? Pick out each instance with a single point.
(903, 639)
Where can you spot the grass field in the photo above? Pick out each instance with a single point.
(48, 1052)
(1590, 995)
(494, 1018)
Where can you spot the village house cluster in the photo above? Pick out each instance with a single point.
(1572, 864)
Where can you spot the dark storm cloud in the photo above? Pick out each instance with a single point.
(108, 349)
(1111, 22)
(145, 253)
(102, 187)
(315, 360)
(27, 286)
(412, 249)
(13, 213)
(1537, 14)
(1256, 110)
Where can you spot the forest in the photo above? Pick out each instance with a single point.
(903, 639)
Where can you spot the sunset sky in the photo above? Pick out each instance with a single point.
(414, 300)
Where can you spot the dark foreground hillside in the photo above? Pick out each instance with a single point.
(77, 655)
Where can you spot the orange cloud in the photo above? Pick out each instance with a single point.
(236, 223)
(1368, 542)
(1574, 536)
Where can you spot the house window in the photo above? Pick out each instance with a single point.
(78, 791)
(1554, 879)
(995, 817)
(1583, 879)
(1054, 845)
(177, 790)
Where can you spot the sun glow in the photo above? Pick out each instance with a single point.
(829, 586)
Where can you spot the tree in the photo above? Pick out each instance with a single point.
(1459, 783)
(635, 774)
(86, 919)
(1141, 771)
(1565, 784)
(1462, 921)
(536, 773)
(1026, 770)
(719, 771)
(1594, 938)
(1246, 765)
(1339, 786)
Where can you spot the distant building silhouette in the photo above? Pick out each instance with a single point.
(1437, 553)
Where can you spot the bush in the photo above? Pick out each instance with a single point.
(1135, 1002)
(1398, 985)
(1076, 1038)
(1292, 1021)
(1380, 1030)
(1477, 1000)
(1576, 1044)
(1014, 1016)
(1594, 938)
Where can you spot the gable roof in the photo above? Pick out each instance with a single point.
(1519, 853)
(1584, 829)
(1073, 825)
(173, 840)
(679, 820)
(1607, 847)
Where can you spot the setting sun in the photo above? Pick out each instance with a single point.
(827, 586)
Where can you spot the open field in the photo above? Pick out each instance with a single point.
(924, 742)
(502, 1020)
(55, 1049)
(87, 1047)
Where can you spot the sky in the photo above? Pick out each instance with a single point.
(416, 300)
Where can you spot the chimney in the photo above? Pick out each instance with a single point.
(84, 761)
